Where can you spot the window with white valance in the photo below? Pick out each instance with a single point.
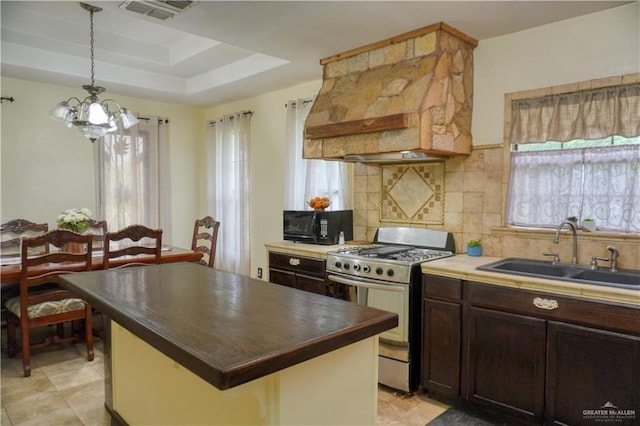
(576, 154)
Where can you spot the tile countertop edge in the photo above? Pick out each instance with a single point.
(464, 267)
(318, 251)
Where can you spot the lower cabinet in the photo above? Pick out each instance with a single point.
(506, 359)
(590, 370)
(441, 343)
(301, 272)
(541, 358)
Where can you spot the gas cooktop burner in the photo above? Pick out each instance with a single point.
(394, 255)
(392, 252)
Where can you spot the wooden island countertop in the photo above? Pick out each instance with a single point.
(225, 328)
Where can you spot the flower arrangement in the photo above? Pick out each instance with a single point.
(76, 220)
(319, 203)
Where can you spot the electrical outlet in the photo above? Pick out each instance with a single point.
(259, 274)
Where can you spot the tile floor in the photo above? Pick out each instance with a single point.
(66, 389)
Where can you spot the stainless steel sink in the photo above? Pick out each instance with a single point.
(623, 278)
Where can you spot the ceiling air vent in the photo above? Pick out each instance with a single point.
(160, 9)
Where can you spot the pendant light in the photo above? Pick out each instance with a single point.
(92, 116)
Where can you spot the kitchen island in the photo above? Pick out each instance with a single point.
(189, 344)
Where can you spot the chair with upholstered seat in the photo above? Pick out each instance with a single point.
(134, 240)
(39, 305)
(205, 238)
(11, 232)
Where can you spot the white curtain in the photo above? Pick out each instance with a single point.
(228, 189)
(601, 183)
(305, 179)
(133, 175)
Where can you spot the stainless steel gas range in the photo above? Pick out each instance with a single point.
(386, 275)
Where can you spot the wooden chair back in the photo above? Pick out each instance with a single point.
(97, 228)
(205, 239)
(13, 231)
(127, 242)
(42, 304)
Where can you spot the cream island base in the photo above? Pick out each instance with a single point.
(337, 388)
(186, 345)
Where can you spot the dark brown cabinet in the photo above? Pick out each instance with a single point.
(441, 343)
(506, 358)
(542, 358)
(589, 369)
(304, 273)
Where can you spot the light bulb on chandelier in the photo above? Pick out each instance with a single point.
(92, 116)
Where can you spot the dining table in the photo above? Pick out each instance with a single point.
(10, 265)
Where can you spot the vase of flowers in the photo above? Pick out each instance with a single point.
(319, 203)
(76, 220)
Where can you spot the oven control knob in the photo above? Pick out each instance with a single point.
(366, 268)
(379, 271)
(356, 267)
(338, 264)
(346, 265)
(390, 272)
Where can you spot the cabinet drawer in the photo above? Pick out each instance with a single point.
(603, 315)
(314, 285)
(282, 277)
(295, 263)
(441, 288)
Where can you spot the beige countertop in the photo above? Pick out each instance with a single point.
(464, 267)
(318, 251)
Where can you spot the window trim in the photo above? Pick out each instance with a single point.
(507, 229)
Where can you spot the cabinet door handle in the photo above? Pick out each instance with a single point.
(541, 303)
(294, 262)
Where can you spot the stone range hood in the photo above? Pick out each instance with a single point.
(407, 98)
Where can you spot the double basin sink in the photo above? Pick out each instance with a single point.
(622, 278)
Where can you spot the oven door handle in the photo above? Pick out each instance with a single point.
(346, 281)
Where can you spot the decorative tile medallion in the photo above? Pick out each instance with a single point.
(412, 193)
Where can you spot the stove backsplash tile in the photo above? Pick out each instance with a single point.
(413, 193)
(473, 205)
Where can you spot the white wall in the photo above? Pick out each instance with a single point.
(47, 168)
(593, 46)
(267, 159)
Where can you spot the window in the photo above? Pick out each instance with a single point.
(132, 168)
(306, 179)
(228, 189)
(576, 154)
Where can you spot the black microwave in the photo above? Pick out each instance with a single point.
(317, 227)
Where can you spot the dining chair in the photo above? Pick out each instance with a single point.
(205, 238)
(97, 228)
(133, 240)
(39, 305)
(11, 232)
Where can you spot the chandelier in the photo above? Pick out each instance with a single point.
(92, 116)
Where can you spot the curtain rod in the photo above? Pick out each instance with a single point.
(304, 103)
(166, 120)
(245, 113)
